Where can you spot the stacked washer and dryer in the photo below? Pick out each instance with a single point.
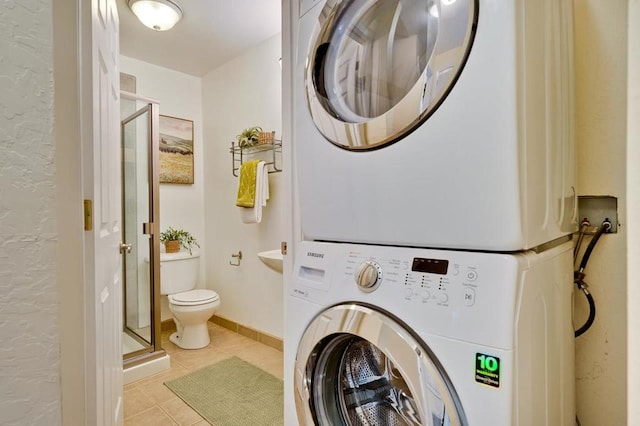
(435, 176)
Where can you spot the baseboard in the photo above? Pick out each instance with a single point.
(258, 336)
(252, 333)
(168, 325)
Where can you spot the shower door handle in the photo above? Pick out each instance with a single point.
(125, 248)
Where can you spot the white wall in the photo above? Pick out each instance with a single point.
(179, 95)
(30, 377)
(601, 93)
(633, 214)
(242, 93)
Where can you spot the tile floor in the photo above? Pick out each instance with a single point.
(149, 402)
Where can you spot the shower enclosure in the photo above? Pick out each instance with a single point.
(141, 249)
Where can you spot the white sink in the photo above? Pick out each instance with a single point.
(272, 258)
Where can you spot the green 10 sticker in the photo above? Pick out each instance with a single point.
(487, 370)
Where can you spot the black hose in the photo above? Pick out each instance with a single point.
(587, 253)
(592, 309)
(579, 275)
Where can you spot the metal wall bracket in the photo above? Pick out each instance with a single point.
(273, 152)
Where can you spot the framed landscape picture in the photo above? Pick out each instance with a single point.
(176, 150)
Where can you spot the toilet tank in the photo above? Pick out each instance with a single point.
(178, 272)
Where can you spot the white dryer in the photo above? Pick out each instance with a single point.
(435, 123)
(404, 336)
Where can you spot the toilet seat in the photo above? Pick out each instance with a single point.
(194, 297)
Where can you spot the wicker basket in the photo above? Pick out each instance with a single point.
(172, 246)
(266, 138)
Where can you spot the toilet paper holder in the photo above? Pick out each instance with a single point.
(237, 255)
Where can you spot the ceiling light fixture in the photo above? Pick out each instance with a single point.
(159, 15)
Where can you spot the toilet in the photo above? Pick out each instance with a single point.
(191, 308)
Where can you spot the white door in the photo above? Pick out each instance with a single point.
(102, 178)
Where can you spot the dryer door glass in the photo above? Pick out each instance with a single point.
(375, 374)
(380, 68)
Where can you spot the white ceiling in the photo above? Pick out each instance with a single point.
(210, 33)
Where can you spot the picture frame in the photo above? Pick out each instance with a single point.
(176, 150)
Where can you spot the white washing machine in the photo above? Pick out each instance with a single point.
(451, 119)
(404, 336)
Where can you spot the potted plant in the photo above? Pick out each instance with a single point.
(249, 137)
(173, 239)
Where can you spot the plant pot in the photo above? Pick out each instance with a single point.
(172, 246)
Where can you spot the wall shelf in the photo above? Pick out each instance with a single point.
(269, 155)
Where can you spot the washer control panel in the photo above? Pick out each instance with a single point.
(469, 296)
(442, 281)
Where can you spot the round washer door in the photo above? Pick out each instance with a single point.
(356, 365)
(378, 69)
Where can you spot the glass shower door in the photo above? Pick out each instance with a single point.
(141, 270)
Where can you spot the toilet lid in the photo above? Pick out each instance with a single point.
(194, 297)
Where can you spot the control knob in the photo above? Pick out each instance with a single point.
(368, 275)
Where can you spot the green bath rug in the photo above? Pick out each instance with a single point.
(233, 392)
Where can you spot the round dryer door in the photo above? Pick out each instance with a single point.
(378, 69)
(358, 366)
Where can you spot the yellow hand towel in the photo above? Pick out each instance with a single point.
(247, 184)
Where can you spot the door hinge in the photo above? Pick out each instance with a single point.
(88, 215)
(283, 247)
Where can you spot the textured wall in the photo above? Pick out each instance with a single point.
(30, 354)
(601, 108)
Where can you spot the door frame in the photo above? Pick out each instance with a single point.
(633, 213)
(70, 276)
